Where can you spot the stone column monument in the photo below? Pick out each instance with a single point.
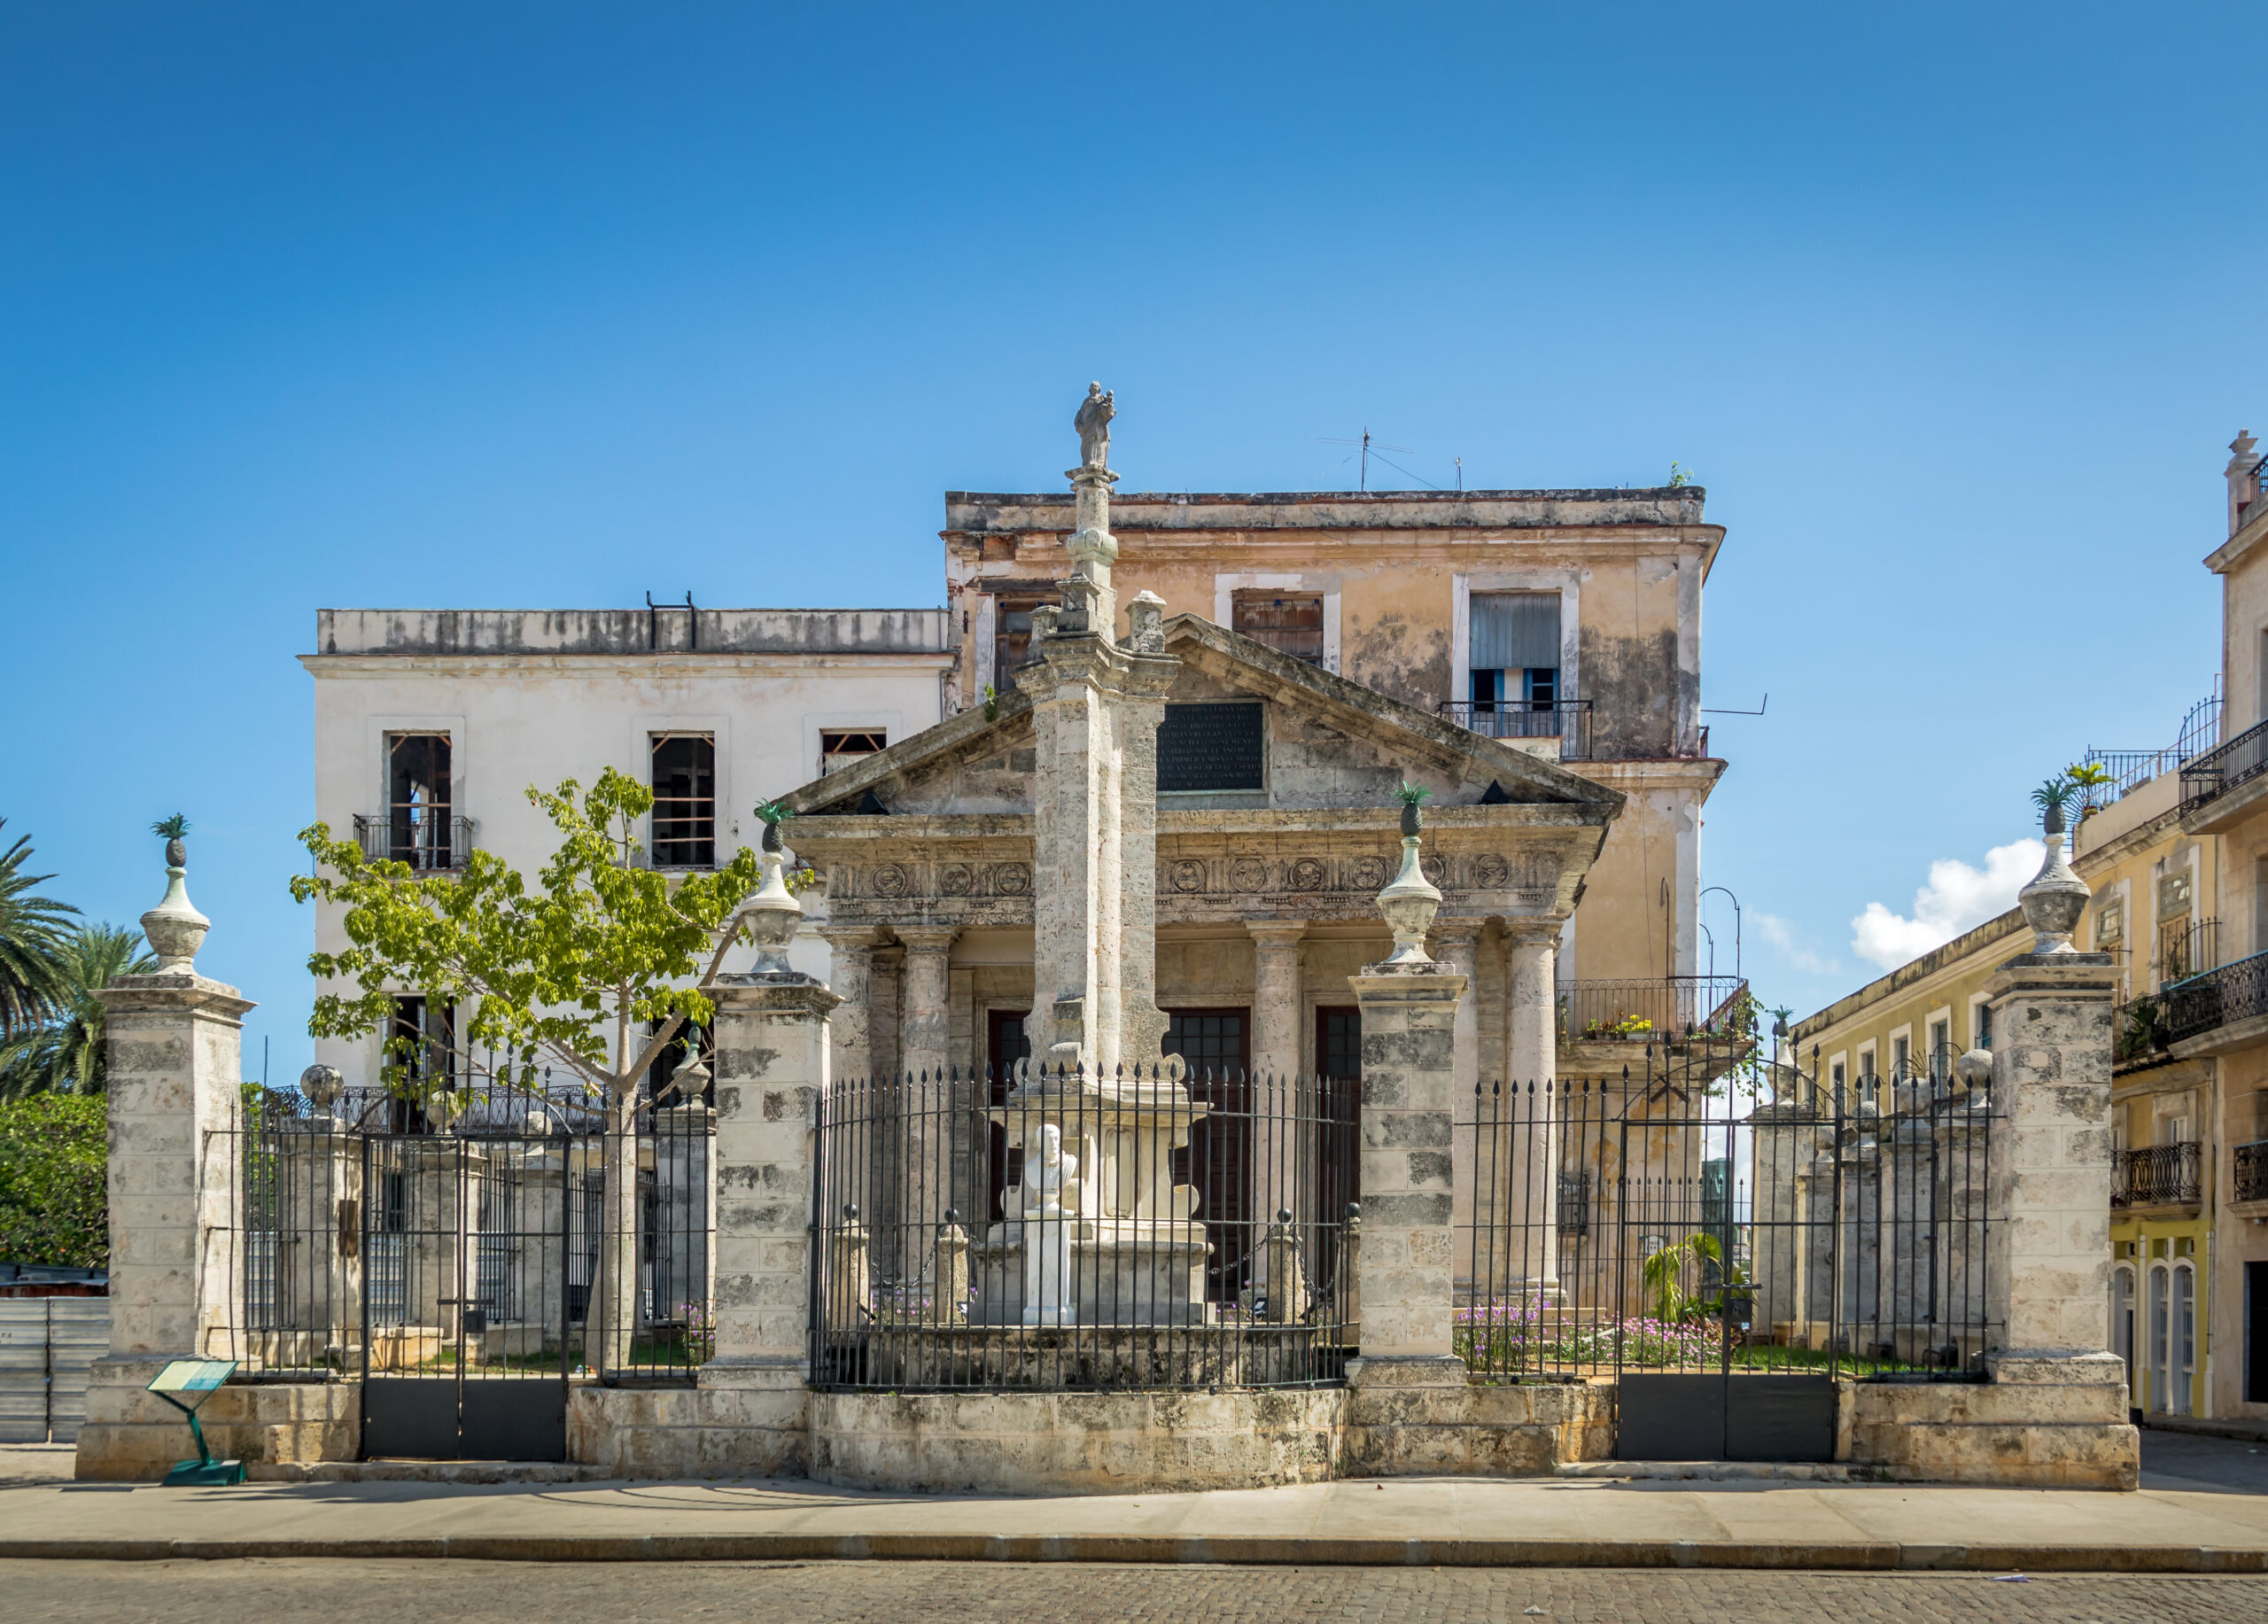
(2055, 1411)
(771, 1070)
(176, 1282)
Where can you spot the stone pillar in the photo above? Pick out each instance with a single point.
(925, 1028)
(1456, 945)
(771, 1071)
(1278, 1165)
(1150, 673)
(852, 978)
(2054, 1413)
(1409, 1068)
(175, 1275)
(1532, 1065)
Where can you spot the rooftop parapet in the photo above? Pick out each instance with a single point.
(662, 629)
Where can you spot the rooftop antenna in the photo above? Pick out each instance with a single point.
(1460, 473)
(1368, 446)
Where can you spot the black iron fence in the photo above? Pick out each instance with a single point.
(2250, 1167)
(1709, 1213)
(2226, 993)
(1643, 1011)
(1053, 1230)
(470, 1233)
(1568, 720)
(422, 836)
(2157, 1176)
(2224, 767)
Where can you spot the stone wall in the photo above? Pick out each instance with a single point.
(2038, 1424)
(709, 1431)
(132, 1436)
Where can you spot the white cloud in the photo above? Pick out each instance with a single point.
(1794, 948)
(1956, 898)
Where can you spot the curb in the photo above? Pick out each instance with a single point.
(1256, 1552)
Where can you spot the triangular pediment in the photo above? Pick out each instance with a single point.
(1324, 742)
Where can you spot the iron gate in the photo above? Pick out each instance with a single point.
(1722, 1240)
(467, 1246)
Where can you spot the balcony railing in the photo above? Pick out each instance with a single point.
(421, 836)
(2139, 1030)
(2230, 993)
(1568, 720)
(2252, 1167)
(2161, 1175)
(1653, 1011)
(2227, 767)
(2130, 769)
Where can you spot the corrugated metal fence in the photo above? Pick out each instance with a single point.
(47, 1347)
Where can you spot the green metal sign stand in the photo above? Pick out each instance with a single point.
(200, 1379)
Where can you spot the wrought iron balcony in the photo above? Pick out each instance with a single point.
(1568, 720)
(1654, 1011)
(422, 836)
(2217, 997)
(2229, 766)
(2250, 1163)
(2161, 1175)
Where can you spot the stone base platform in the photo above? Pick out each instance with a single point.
(1087, 1357)
(132, 1436)
(1058, 1444)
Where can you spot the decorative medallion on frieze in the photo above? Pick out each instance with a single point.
(1366, 874)
(1491, 872)
(1435, 868)
(1011, 878)
(956, 880)
(1188, 875)
(890, 880)
(1306, 873)
(1247, 873)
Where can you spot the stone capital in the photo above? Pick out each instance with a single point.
(926, 938)
(1529, 932)
(793, 996)
(1417, 988)
(1464, 932)
(186, 994)
(850, 938)
(2055, 976)
(1276, 932)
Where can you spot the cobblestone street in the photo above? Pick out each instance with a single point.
(348, 1592)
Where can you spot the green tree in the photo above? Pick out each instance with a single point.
(569, 970)
(64, 1053)
(54, 1167)
(32, 928)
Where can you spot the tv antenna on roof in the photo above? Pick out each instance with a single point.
(1368, 446)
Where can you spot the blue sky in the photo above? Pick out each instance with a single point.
(1952, 308)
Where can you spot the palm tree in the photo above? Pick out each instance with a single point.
(32, 937)
(65, 1053)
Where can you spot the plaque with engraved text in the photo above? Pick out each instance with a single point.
(1211, 747)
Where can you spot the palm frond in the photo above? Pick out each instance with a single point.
(33, 932)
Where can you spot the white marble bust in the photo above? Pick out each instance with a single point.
(1048, 1175)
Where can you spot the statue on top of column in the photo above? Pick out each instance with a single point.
(1092, 421)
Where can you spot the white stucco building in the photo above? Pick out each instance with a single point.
(431, 725)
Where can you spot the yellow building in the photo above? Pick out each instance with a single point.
(2153, 882)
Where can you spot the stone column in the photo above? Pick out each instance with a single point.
(1150, 673)
(926, 1028)
(1531, 1065)
(1279, 1148)
(771, 1071)
(852, 978)
(175, 1273)
(1456, 945)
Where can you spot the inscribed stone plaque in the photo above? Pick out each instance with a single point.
(1210, 747)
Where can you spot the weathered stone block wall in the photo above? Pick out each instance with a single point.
(1523, 1431)
(132, 1436)
(1408, 1259)
(689, 1431)
(2037, 1424)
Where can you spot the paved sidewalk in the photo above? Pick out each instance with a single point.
(1588, 1523)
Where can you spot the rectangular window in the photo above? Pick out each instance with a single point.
(2255, 1333)
(1941, 1049)
(1900, 1059)
(1515, 661)
(838, 748)
(2110, 925)
(685, 800)
(1005, 1041)
(1288, 622)
(1214, 747)
(415, 828)
(1338, 1040)
(420, 1049)
(1011, 634)
(1980, 1023)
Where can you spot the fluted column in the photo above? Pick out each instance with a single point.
(1456, 945)
(1279, 1173)
(1530, 1189)
(926, 1039)
(852, 979)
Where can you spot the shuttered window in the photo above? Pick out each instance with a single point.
(1515, 631)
